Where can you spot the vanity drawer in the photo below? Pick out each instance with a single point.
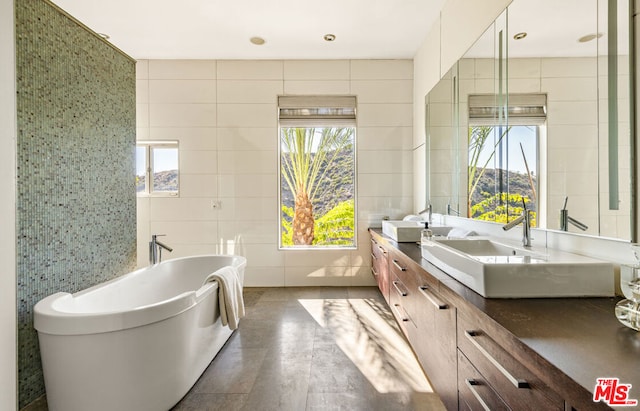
(475, 392)
(401, 294)
(380, 267)
(516, 385)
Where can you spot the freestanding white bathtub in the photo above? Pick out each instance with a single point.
(138, 342)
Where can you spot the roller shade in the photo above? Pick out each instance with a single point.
(522, 109)
(317, 110)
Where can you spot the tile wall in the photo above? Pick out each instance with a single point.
(75, 205)
(224, 115)
(573, 151)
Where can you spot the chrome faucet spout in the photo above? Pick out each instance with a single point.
(565, 219)
(452, 210)
(428, 210)
(513, 223)
(155, 249)
(166, 247)
(525, 219)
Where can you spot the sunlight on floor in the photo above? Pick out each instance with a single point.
(367, 333)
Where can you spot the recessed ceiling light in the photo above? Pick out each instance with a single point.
(329, 37)
(589, 37)
(520, 36)
(258, 41)
(104, 36)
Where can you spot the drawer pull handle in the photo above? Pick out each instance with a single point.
(373, 256)
(400, 312)
(518, 383)
(382, 249)
(374, 241)
(373, 271)
(471, 383)
(398, 266)
(424, 290)
(395, 285)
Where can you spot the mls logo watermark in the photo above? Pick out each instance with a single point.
(612, 392)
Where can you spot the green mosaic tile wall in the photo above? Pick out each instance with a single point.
(76, 203)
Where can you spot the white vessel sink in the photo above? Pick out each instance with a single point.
(502, 270)
(409, 231)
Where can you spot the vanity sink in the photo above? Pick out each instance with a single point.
(498, 269)
(409, 231)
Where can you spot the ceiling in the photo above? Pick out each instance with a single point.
(554, 28)
(292, 29)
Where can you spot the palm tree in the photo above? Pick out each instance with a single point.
(308, 154)
(478, 136)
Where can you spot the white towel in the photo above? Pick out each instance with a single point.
(229, 295)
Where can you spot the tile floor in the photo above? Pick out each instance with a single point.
(332, 348)
(312, 348)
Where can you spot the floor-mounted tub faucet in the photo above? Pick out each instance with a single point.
(155, 249)
(452, 210)
(525, 219)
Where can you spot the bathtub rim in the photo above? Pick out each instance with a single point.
(49, 320)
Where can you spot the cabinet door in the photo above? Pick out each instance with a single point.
(435, 341)
(515, 384)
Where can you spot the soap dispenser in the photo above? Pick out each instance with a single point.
(426, 234)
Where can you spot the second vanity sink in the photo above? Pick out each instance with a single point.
(502, 270)
(409, 231)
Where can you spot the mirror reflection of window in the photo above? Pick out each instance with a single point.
(503, 164)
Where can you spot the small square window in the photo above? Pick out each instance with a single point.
(157, 168)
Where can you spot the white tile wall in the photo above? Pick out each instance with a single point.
(224, 115)
(572, 101)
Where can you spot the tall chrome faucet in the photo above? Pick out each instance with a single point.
(429, 209)
(155, 249)
(452, 210)
(525, 219)
(565, 219)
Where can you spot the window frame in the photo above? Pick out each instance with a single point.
(149, 146)
(306, 112)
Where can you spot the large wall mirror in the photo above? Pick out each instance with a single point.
(536, 115)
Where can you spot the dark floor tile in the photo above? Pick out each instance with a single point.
(365, 292)
(283, 383)
(283, 311)
(295, 293)
(314, 348)
(376, 402)
(251, 296)
(282, 336)
(211, 402)
(233, 371)
(40, 404)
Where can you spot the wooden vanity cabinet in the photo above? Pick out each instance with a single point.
(402, 291)
(481, 359)
(468, 359)
(434, 341)
(429, 322)
(380, 267)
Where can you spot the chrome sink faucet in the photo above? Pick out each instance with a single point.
(429, 209)
(525, 219)
(565, 219)
(155, 249)
(451, 210)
